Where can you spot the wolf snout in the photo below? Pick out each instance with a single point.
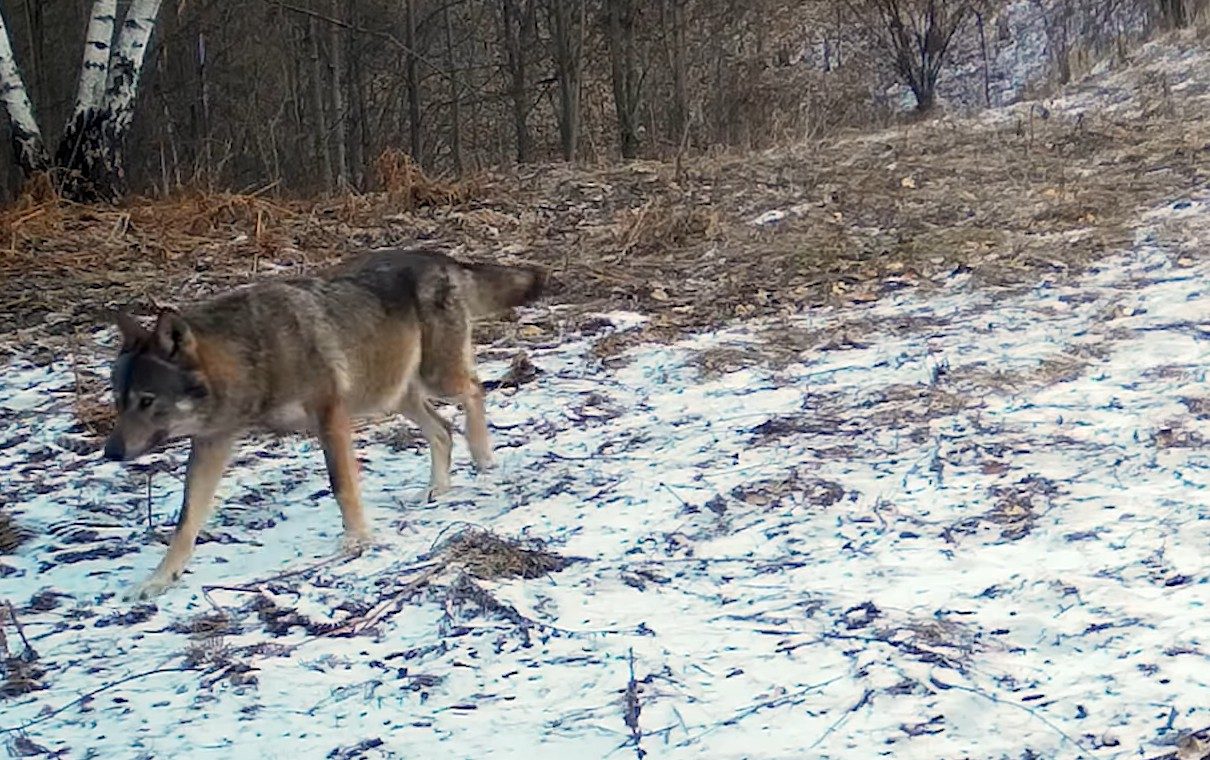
(115, 449)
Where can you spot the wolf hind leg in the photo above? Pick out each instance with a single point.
(336, 436)
(449, 374)
(437, 433)
(477, 438)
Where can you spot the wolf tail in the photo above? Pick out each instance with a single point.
(496, 287)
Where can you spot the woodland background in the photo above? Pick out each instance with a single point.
(320, 96)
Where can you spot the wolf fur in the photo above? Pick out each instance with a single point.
(387, 331)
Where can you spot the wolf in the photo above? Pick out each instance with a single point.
(388, 331)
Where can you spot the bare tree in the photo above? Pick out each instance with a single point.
(339, 130)
(413, 80)
(567, 27)
(96, 169)
(626, 79)
(917, 34)
(455, 82)
(1173, 13)
(518, 26)
(1057, 18)
(672, 16)
(323, 145)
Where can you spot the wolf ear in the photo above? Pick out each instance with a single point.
(132, 332)
(174, 338)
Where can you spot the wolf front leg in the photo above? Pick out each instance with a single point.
(336, 435)
(207, 459)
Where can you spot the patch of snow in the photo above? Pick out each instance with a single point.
(978, 528)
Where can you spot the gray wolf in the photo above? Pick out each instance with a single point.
(387, 331)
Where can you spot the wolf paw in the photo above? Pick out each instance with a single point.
(148, 589)
(357, 542)
(485, 463)
(434, 492)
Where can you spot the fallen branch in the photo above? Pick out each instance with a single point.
(84, 697)
(1025, 708)
(632, 710)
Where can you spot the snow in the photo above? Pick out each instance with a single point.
(977, 527)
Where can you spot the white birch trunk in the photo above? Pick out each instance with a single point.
(91, 150)
(94, 70)
(127, 62)
(27, 137)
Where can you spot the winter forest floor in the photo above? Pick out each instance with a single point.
(893, 446)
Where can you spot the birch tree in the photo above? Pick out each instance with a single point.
(27, 137)
(88, 164)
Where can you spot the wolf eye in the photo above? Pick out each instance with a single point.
(145, 402)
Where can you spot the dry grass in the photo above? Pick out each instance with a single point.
(487, 556)
(406, 185)
(864, 214)
(11, 534)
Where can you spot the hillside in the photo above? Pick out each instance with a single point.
(890, 446)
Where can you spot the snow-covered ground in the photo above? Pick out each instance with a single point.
(955, 523)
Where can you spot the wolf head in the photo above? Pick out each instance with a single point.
(159, 389)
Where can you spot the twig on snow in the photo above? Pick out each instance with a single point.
(632, 711)
(257, 586)
(1026, 708)
(84, 697)
(30, 654)
(865, 699)
(785, 699)
(150, 522)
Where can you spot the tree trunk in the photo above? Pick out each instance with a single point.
(455, 94)
(624, 76)
(92, 149)
(413, 79)
(203, 81)
(94, 70)
(35, 13)
(516, 23)
(1173, 13)
(675, 52)
(28, 146)
(568, 43)
(360, 145)
(987, 76)
(323, 150)
(339, 133)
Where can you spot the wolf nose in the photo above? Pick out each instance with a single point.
(115, 450)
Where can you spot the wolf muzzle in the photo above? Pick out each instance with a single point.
(117, 450)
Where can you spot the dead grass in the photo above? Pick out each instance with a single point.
(11, 534)
(864, 214)
(406, 184)
(486, 556)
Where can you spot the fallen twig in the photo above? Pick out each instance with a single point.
(30, 654)
(1026, 708)
(632, 710)
(83, 697)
